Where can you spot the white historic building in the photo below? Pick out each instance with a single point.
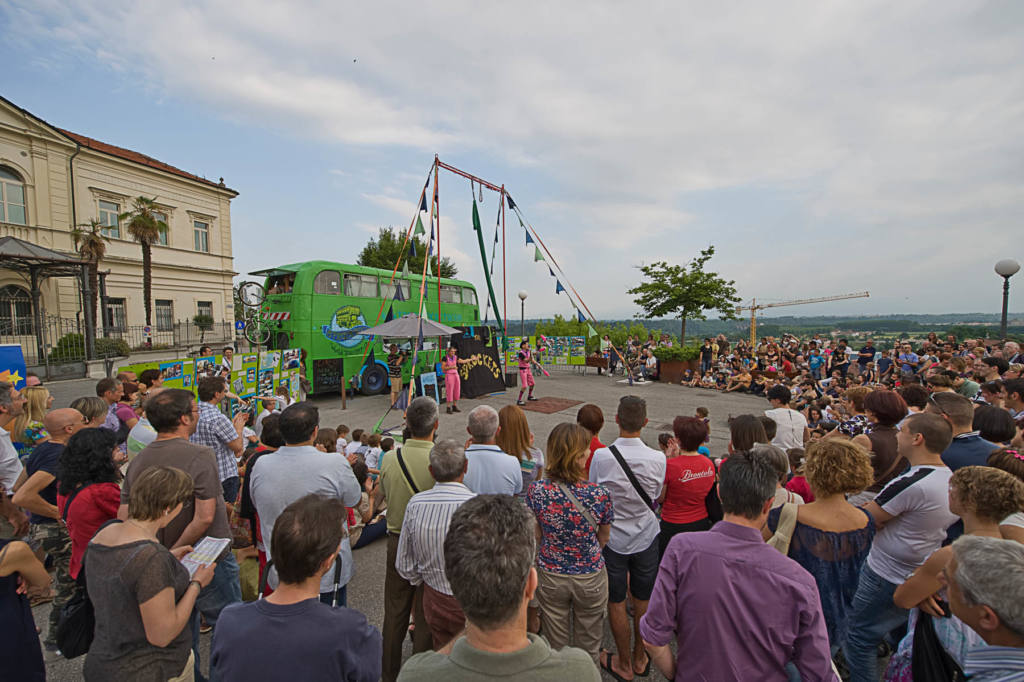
(52, 179)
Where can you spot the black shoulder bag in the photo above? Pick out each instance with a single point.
(712, 503)
(405, 470)
(632, 477)
(77, 620)
(930, 660)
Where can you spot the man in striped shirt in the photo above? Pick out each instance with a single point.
(421, 546)
(984, 579)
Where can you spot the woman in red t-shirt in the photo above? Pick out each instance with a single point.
(591, 418)
(86, 469)
(689, 477)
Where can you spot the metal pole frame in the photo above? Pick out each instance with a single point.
(1006, 303)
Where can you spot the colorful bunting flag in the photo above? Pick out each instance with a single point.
(405, 267)
(412, 248)
(511, 204)
(391, 314)
(558, 287)
(419, 228)
(537, 256)
(529, 239)
(550, 271)
(423, 202)
(579, 316)
(591, 331)
(399, 296)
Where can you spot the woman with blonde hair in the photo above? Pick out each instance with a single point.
(514, 437)
(574, 519)
(831, 537)
(28, 430)
(93, 409)
(982, 496)
(142, 595)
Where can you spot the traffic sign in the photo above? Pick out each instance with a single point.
(240, 325)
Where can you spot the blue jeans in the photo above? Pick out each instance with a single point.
(705, 365)
(873, 615)
(224, 589)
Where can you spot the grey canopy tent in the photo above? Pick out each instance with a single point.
(410, 326)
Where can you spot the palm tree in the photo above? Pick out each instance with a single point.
(91, 244)
(145, 228)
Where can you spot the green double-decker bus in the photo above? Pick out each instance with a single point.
(323, 307)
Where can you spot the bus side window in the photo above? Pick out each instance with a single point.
(450, 294)
(469, 296)
(388, 290)
(360, 285)
(327, 282)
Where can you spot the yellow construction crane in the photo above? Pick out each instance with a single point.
(755, 306)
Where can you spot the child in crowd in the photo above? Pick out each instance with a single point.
(327, 440)
(708, 380)
(702, 414)
(374, 451)
(798, 484)
(342, 437)
(355, 443)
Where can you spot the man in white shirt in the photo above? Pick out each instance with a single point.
(421, 544)
(631, 555)
(490, 469)
(792, 429)
(296, 470)
(912, 515)
(13, 521)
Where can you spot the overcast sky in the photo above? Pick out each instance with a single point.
(821, 147)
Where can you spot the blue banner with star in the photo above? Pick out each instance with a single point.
(12, 365)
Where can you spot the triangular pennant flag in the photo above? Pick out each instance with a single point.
(419, 340)
(529, 239)
(399, 294)
(591, 331)
(558, 287)
(405, 267)
(391, 314)
(537, 256)
(412, 248)
(370, 360)
(550, 271)
(423, 202)
(579, 316)
(511, 204)
(430, 272)
(403, 400)
(419, 228)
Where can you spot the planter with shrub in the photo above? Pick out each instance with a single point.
(674, 361)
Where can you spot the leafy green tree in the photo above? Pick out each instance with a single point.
(91, 244)
(685, 290)
(386, 249)
(144, 227)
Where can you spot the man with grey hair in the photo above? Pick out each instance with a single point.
(405, 472)
(13, 522)
(985, 578)
(491, 469)
(421, 544)
(489, 559)
(1011, 352)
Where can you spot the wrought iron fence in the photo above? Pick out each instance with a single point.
(61, 340)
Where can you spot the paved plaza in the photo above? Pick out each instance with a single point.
(365, 591)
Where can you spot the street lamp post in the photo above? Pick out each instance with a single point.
(1006, 269)
(522, 312)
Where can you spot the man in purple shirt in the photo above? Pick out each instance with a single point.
(739, 608)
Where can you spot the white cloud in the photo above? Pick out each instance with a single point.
(892, 133)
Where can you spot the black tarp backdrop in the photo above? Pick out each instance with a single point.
(483, 374)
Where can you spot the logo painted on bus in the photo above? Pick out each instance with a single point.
(345, 327)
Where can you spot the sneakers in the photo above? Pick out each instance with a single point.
(530, 397)
(520, 402)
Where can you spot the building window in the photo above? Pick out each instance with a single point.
(201, 233)
(162, 218)
(12, 197)
(204, 308)
(108, 218)
(117, 314)
(327, 282)
(15, 311)
(164, 315)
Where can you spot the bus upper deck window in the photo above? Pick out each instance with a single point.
(469, 297)
(388, 290)
(360, 285)
(327, 282)
(450, 294)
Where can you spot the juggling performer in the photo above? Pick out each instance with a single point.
(452, 383)
(526, 361)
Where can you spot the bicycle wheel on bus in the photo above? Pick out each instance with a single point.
(257, 332)
(250, 294)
